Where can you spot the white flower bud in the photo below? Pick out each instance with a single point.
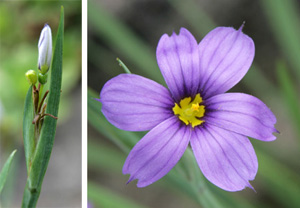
(45, 49)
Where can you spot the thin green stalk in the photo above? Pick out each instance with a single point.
(123, 66)
(44, 146)
(41, 92)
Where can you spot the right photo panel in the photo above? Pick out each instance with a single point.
(193, 103)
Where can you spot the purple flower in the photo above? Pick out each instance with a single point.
(195, 110)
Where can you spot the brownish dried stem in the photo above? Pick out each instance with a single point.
(35, 98)
(39, 86)
(36, 119)
(47, 114)
(44, 108)
(42, 101)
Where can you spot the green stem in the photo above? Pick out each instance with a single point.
(123, 66)
(30, 195)
(41, 92)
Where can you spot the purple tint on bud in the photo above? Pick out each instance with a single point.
(90, 205)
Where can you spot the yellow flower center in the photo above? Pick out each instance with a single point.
(190, 112)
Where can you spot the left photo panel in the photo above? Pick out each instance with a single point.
(40, 103)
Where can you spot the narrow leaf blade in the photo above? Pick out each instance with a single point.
(5, 170)
(28, 129)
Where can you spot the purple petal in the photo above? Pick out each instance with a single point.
(178, 59)
(157, 152)
(225, 158)
(241, 113)
(226, 55)
(134, 103)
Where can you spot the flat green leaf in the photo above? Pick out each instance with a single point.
(5, 170)
(28, 129)
(45, 142)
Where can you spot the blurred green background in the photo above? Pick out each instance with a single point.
(130, 30)
(20, 25)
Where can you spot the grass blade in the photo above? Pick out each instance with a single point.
(5, 170)
(28, 129)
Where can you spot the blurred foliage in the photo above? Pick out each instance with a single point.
(21, 23)
(131, 31)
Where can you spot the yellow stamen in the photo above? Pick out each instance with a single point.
(190, 111)
(195, 107)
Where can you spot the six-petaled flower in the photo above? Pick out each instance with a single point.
(194, 110)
